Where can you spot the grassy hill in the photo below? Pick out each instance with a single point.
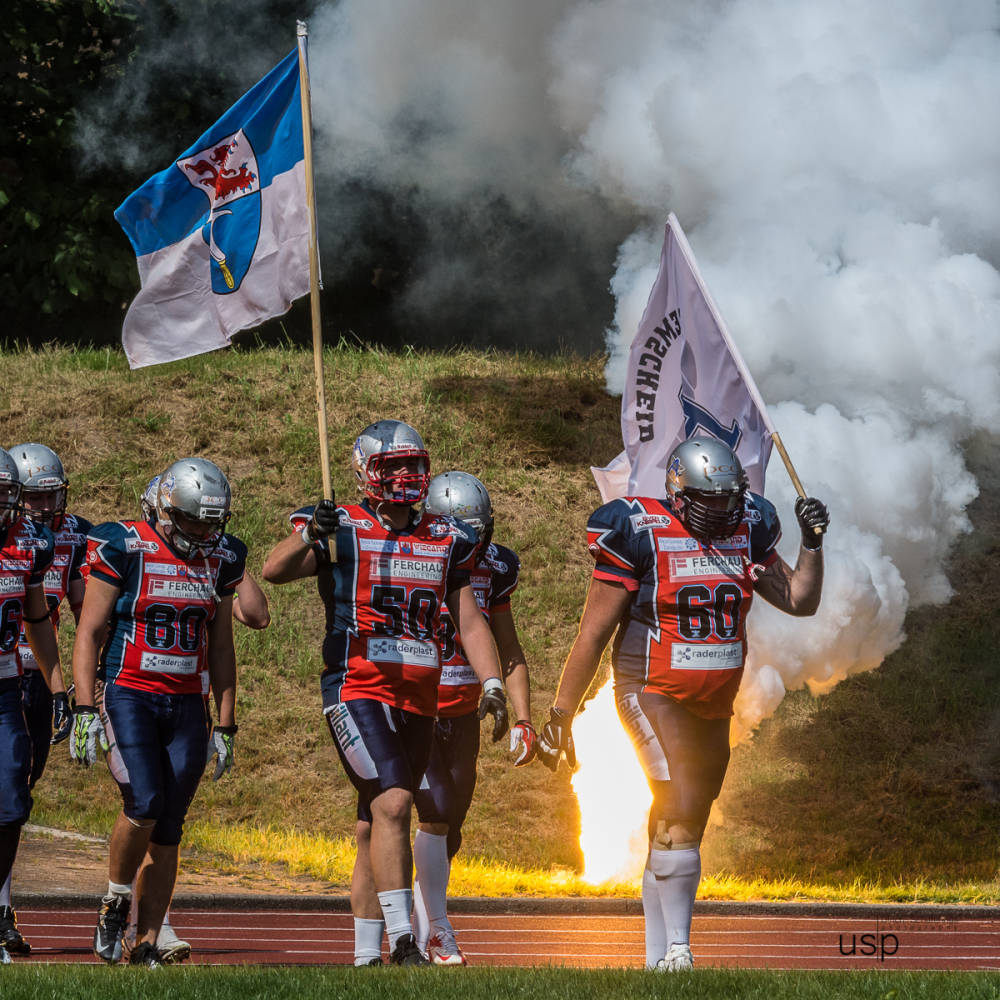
(889, 785)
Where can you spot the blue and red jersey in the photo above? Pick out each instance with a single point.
(684, 634)
(67, 561)
(493, 580)
(157, 635)
(25, 555)
(383, 598)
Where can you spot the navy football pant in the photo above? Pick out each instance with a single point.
(380, 747)
(159, 751)
(445, 793)
(15, 756)
(37, 700)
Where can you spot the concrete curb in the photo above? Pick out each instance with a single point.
(566, 906)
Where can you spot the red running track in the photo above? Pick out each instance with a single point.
(288, 937)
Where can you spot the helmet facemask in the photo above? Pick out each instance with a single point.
(192, 538)
(712, 515)
(402, 486)
(45, 506)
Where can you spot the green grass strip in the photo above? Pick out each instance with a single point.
(298, 983)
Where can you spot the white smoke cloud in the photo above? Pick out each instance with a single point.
(830, 165)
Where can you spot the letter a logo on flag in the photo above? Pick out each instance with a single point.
(221, 236)
(684, 377)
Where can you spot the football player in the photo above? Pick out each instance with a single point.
(44, 490)
(445, 794)
(394, 568)
(26, 553)
(674, 580)
(250, 608)
(165, 587)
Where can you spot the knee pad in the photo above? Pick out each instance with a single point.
(678, 860)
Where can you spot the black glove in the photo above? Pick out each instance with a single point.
(325, 521)
(556, 739)
(814, 519)
(494, 702)
(62, 718)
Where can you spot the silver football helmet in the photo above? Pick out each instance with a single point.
(377, 445)
(463, 496)
(44, 485)
(192, 506)
(10, 489)
(706, 487)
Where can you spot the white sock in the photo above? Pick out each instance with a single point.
(367, 940)
(421, 925)
(430, 858)
(677, 876)
(656, 929)
(5, 891)
(117, 889)
(396, 906)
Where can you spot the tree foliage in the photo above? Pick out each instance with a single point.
(59, 245)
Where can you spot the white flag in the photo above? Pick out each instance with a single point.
(684, 377)
(221, 236)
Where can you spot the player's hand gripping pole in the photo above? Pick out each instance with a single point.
(813, 517)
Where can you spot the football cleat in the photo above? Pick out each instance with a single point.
(10, 936)
(677, 959)
(147, 955)
(172, 949)
(370, 962)
(406, 952)
(443, 949)
(112, 919)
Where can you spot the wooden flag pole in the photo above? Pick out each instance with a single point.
(776, 438)
(314, 282)
(314, 278)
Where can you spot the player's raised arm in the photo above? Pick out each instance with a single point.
(798, 591)
(295, 557)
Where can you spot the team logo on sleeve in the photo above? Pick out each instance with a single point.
(645, 522)
(356, 522)
(140, 545)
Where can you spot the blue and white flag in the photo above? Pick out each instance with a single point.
(221, 236)
(684, 377)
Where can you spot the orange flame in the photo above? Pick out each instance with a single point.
(612, 794)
